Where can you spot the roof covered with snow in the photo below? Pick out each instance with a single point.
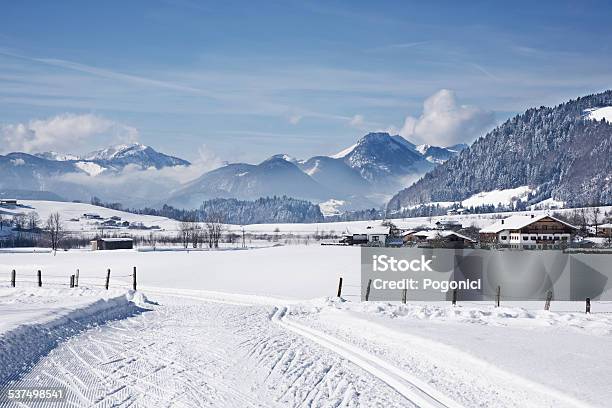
(516, 222)
(370, 230)
(435, 234)
(113, 239)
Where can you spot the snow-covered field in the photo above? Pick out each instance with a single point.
(168, 226)
(259, 327)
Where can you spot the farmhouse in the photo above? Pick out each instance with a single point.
(7, 202)
(605, 230)
(370, 235)
(448, 225)
(439, 238)
(458, 211)
(106, 244)
(529, 232)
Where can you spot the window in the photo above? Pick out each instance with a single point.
(503, 237)
(375, 238)
(533, 238)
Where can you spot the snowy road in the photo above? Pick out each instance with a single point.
(190, 353)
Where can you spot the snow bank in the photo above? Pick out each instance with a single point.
(40, 319)
(481, 314)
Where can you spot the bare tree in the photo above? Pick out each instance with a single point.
(55, 230)
(1, 222)
(214, 228)
(33, 220)
(196, 235)
(152, 240)
(19, 222)
(184, 233)
(595, 214)
(583, 220)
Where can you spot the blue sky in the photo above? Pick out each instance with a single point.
(241, 81)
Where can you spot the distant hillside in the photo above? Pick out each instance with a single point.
(562, 152)
(242, 212)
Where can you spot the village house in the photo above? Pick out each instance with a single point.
(457, 211)
(604, 230)
(369, 235)
(448, 225)
(439, 238)
(529, 232)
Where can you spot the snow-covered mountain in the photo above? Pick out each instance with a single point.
(66, 174)
(275, 176)
(560, 153)
(363, 175)
(134, 154)
(383, 159)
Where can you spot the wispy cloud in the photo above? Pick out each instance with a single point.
(400, 46)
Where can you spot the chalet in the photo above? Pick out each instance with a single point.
(529, 232)
(370, 235)
(115, 218)
(439, 238)
(604, 230)
(457, 211)
(92, 216)
(106, 244)
(7, 202)
(448, 225)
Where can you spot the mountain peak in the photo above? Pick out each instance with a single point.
(283, 156)
(115, 151)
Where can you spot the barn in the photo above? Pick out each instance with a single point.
(107, 244)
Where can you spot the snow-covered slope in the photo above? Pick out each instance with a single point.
(600, 113)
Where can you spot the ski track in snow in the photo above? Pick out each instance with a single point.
(190, 353)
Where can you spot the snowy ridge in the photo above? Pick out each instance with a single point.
(344, 152)
(599, 113)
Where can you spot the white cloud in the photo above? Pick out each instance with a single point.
(66, 132)
(444, 122)
(357, 121)
(295, 119)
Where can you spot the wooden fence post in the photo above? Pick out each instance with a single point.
(454, 297)
(72, 281)
(107, 278)
(13, 277)
(498, 296)
(76, 279)
(39, 278)
(340, 287)
(588, 305)
(134, 276)
(367, 297)
(548, 299)
(404, 295)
